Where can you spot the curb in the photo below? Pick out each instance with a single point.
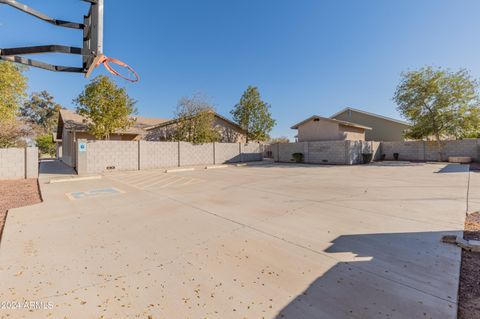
(75, 179)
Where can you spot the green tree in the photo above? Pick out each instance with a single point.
(13, 85)
(279, 140)
(107, 107)
(439, 103)
(253, 115)
(42, 110)
(46, 145)
(195, 119)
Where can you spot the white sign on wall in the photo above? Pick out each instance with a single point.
(82, 147)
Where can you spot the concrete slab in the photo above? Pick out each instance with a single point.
(275, 241)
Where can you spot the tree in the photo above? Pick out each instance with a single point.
(41, 110)
(13, 85)
(253, 115)
(439, 103)
(13, 134)
(279, 140)
(107, 107)
(195, 118)
(46, 145)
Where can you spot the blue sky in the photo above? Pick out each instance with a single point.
(307, 57)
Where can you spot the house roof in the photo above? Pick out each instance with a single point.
(170, 122)
(315, 117)
(78, 123)
(370, 114)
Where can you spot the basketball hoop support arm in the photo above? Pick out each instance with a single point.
(12, 54)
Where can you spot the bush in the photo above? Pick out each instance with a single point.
(297, 157)
(367, 157)
(46, 145)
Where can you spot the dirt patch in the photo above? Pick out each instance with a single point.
(469, 293)
(16, 194)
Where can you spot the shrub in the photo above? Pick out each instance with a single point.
(46, 145)
(367, 157)
(297, 157)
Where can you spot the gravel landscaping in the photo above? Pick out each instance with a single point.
(469, 293)
(16, 194)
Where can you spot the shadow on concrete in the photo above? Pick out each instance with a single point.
(55, 167)
(401, 275)
(397, 163)
(454, 168)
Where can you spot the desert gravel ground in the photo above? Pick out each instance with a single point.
(14, 194)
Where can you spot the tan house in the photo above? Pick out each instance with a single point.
(383, 128)
(230, 132)
(72, 126)
(317, 128)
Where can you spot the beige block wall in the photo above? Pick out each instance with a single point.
(158, 154)
(429, 150)
(192, 155)
(123, 155)
(18, 163)
(139, 155)
(251, 152)
(328, 152)
(227, 153)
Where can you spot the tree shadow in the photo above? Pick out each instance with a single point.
(399, 275)
(454, 168)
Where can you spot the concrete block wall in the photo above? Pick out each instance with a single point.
(283, 152)
(122, 155)
(331, 152)
(408, 151)
(18, 163)
(192, 155)
(227, 153)
(158, 155)
(429, 150)
(251, 152)
(31, 162)
(103, 156)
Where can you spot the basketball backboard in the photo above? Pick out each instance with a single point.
(91, 52)
(93, 34)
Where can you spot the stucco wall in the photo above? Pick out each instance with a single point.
(382, 129)
(321, 130)
(18, 163)
(350, 133)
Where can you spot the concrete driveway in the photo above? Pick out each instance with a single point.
(278, 241)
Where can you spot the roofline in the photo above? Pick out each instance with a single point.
(313, 117)
(173, 121)
(371, 114)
